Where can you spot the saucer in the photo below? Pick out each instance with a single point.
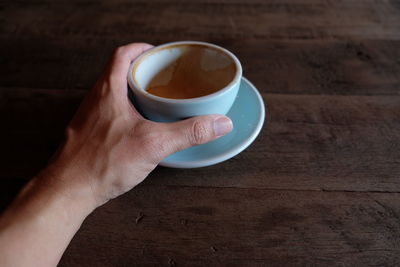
(247, 115)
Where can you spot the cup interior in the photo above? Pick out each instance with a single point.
(182, 71)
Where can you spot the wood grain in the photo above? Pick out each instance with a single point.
(240, 227)
(160, 20)
(319, 186)
(299, 67)
(313, 142)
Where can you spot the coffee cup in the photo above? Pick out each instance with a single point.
(179, 80)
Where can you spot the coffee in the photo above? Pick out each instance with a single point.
(197, 72)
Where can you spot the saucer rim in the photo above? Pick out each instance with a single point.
(230, 153)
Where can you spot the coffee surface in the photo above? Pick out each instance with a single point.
(197, 72)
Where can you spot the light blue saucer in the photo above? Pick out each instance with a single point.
(247, 115)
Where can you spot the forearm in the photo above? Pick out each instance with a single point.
(36, 229)
(109, 149)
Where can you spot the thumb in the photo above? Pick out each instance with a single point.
(194, 131)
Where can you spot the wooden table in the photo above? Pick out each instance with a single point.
(319, 187)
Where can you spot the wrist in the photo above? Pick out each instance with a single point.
(60, 183)
(45, 216)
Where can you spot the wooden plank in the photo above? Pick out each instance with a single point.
(346, 68)
(240, 227)
(300, 67)
(290, 19)
(308, 142)
(319, 187)
(313, 142)
(33, 123)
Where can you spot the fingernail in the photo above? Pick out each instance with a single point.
(222, 126)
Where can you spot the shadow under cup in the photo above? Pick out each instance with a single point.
(184, 79)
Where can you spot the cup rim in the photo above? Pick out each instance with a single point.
(134, 86)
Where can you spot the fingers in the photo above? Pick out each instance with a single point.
(176, 136)
(123, 56)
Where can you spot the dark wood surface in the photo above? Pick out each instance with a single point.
(320, 186)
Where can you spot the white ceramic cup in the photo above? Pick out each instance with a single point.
(163, 109)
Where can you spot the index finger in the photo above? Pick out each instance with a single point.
(123, 56)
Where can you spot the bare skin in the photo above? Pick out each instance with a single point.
(109, 149)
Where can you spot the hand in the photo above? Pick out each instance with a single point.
(110, 147)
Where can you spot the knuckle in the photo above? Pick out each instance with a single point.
(143, 129)
(110, 82)
(120, 51)
(70, 133)
(199, 134)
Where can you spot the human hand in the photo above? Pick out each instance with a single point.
(110, 147)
